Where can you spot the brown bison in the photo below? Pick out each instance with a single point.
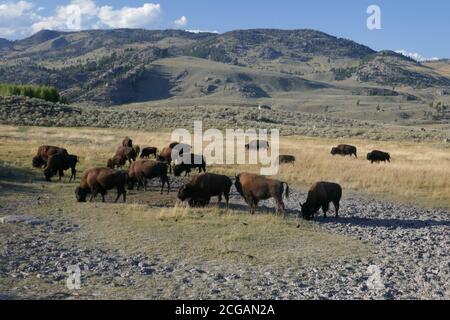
(44, 153)
(127, 142)
(147, 152)
(202, 187)
(58, 163)
(378, 156)
(319, 196)
(142, 170)
(284, 159)
(257, 144)
(123, 154)
(100, 180)
(254, 188)
(344, 150)
(195, 161)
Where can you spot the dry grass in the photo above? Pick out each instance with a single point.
(419, 172)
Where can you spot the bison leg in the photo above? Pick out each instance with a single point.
(94, 191)
(336, 208)
(121, 192)
(325, 209)
(74, 175)
(227, 199)
(219, 200)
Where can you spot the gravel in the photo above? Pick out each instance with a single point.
(411, 261)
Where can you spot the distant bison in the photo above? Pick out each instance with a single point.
(44, 153)
(204, 186)
(378, 156)
(319, 196)
(123, 154)
(147, 152)
(142, 170)
(127, 142)
(284, 159)
(254, 188)
(344, 150)
(58, 163)
(100, 180)
(257, 144)
(196, 161)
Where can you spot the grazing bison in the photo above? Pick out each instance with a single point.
(123, 154)
(378, 156)
(100, 180)
(142, 170)
(284, 158)
(254, 188)
(257, 144)
(44, 153)
(196, 161)
(204, 186)
(344, 150)
(58, 163)
(147, 152)
(127, 142)
(319, 196)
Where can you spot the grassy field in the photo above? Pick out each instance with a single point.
(419, 173)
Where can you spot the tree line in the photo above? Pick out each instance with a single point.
(32, 91)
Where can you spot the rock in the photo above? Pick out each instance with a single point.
(22, 219)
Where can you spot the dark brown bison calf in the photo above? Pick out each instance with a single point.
(147, 152)
(344, 150)
(378, 156)
(284, 159)
(44, 153)
(100, 180)
(201, 188)
(254, 188)
(195, 161)
(142, 170)
(319, 196)
(59, 163)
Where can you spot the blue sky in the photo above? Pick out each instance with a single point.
(417, 27)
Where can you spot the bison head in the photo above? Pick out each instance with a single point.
(369, 156)
(334, 151)
(307, 211)
(110, 163)
(238, 185)
(179, 169)
(38, 162)
(81, 194)
(184, 192)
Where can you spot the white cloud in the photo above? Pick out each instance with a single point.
(21, 19)
(416, 56)
(201, 31)
(130, 17)
(181, 22)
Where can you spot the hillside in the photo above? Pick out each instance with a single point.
(303, 69)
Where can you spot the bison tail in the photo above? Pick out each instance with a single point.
(287, 189)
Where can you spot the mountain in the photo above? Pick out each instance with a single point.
(109, 67)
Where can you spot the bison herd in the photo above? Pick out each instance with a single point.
(202, 187)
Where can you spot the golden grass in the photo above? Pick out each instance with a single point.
(419, 172)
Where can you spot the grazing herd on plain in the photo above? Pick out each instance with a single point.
(202, 187)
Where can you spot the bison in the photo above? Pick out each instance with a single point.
(58, 163)
(123, 154)
(147, 152)
(254, 188)
(44, 153)
(142, 170)
(100, 180)
(127, 142)
(344, 150)
(378, 156)
(204, 186)
(321, 195)
(284, 159)
(257, 144)
(196, 161)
